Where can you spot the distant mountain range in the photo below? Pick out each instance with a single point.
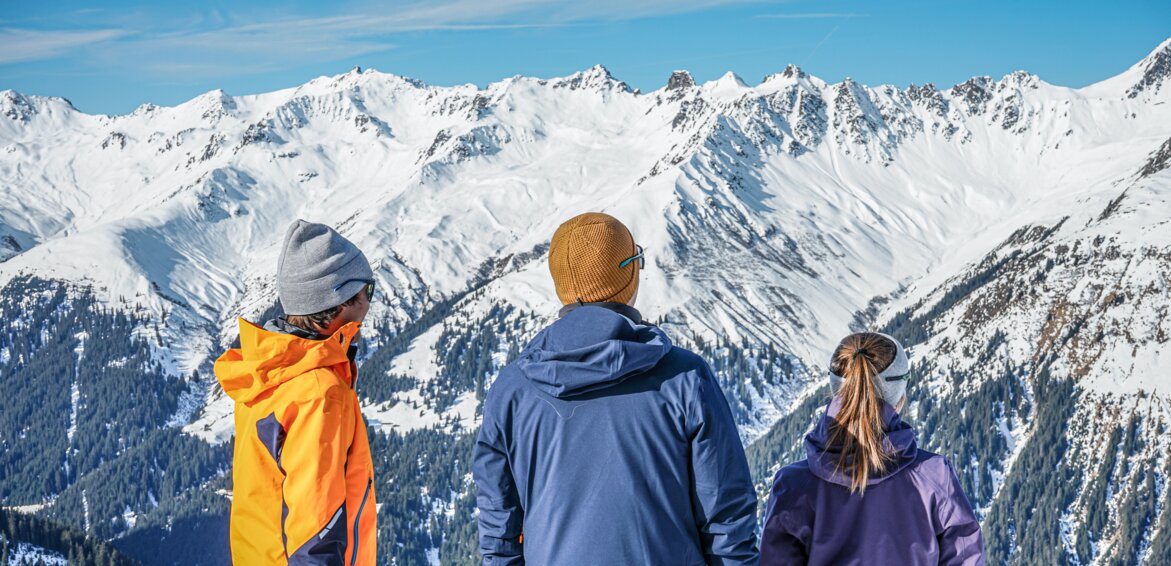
(1014, 232)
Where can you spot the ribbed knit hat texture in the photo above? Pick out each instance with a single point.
(318, 269)
(584, 259)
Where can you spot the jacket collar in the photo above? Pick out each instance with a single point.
(282, 325)
(620, 308)
(266, 359)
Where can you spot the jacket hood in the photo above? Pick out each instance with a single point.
(824, 457)
(589, 348)
(266, 359)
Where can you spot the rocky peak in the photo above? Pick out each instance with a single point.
(974, 93)
(144, 108)
(793, 71)
(727, 87)
(916, 92)
(215, 104)
(855, 116)
(732, 79)
(15, 106)
(22, 108)
(594, 78)
(1156, 68)
(929, 97)
(680, 80)
(845, 90)
(1019, 79)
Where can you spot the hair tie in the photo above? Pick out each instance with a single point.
(861, 352)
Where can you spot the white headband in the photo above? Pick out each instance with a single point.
(889, 383)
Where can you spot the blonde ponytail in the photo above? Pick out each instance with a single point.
(858, 427)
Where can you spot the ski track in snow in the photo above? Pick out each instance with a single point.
(85, 509)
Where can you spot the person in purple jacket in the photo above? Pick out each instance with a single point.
(866, 494)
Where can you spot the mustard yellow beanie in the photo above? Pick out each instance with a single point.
(586, 260)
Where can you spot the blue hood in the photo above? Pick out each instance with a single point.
(591, 347)
(605, 444)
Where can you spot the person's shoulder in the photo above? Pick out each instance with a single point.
(934, 468)
(927, 460)
(792, 485)
(509, 383)
(793, 475)
(684, 356)
(316, 384)
(685, 373)
(681, 360)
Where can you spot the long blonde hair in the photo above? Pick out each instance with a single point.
(858, 426)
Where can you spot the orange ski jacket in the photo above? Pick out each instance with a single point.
(302, 476)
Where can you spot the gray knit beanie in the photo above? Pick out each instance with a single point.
(892, 391)
(318, 269)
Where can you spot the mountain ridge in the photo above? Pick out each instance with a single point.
(776, 217)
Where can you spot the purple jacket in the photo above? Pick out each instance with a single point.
(916, 513)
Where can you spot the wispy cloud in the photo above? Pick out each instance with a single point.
(179, 45)
(258, 40)
(612, 10)
(21, 45)
(270, 46)
(810, 16)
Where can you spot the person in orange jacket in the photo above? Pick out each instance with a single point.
(302, 476)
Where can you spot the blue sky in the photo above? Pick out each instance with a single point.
(110, 57)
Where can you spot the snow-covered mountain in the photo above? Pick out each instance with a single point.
(1004, 217)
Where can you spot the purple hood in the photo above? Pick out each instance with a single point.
(824, 459)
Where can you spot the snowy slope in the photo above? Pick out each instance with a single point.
(1017, 230)
(771, 213)
(1058, 335)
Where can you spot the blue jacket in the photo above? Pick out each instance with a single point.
(605, 444)
(915, 514)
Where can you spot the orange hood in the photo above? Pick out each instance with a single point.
(267, 359)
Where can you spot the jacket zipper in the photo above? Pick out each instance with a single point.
(358, 518)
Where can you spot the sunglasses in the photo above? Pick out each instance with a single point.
(638, 256)
(369, 287)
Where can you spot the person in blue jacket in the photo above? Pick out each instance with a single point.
(603, 443)
(866, 494)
